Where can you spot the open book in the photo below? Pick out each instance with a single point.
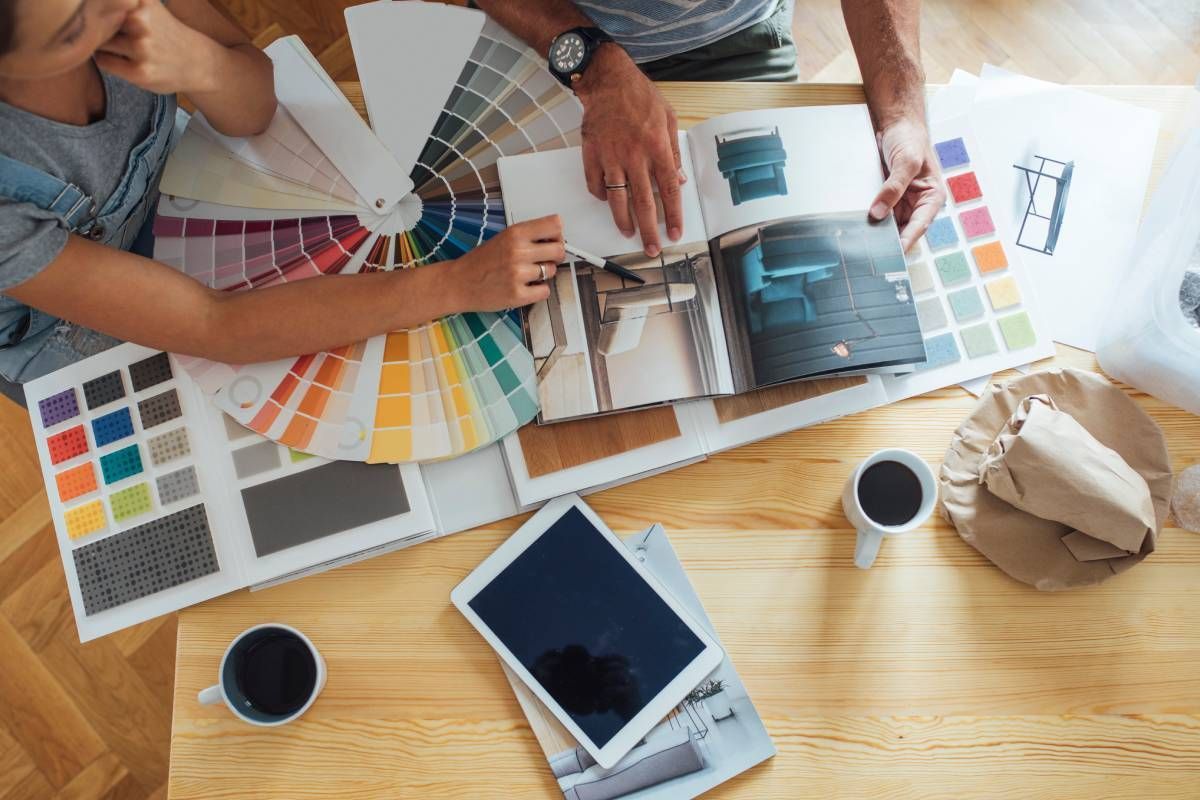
(778, 275)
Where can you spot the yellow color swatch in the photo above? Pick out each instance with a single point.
(391, 446)
(1004, 293)
(394, 379)
(85, 519)
(394, 412)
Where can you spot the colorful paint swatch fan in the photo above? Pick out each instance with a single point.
(320, 193)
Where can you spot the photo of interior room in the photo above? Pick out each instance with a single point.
(818, 294)
(603, 343)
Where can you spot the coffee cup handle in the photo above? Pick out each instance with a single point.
(866, 548)
(210, 696)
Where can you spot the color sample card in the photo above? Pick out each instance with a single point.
(111, 498)
(159, 500)
(977, 312)
(318, 502)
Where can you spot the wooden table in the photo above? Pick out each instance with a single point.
(931, 675)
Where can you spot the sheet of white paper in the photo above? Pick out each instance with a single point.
(552, 182)
(1017, 118)
(955, 99)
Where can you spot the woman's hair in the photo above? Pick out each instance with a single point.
(8, 24)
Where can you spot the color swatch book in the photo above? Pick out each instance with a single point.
(713, 735)
(160, 501)
(321, 193)
(977, 307)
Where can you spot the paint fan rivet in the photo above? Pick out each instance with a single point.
(379, 203)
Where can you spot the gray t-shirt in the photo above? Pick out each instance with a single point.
(93, 157)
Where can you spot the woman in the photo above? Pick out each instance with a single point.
(87, 112)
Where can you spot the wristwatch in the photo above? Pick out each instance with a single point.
(572, 51)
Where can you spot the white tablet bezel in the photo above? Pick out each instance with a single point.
(660, 705)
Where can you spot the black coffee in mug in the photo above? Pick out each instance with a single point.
(275, 673)
(890, 493)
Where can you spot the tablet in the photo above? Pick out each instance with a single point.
(592, 634)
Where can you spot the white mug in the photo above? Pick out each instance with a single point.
(871, 533)
(227, 690)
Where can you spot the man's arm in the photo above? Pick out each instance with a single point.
(629, 129)
(886, 37)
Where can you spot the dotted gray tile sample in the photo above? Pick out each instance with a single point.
(103, 390)
(169, 446)
(141, 561)
(322, 501)
(150, 372)
(178, 485)
(159, 409)
(256, 459)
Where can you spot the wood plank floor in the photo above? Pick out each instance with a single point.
(94, 721)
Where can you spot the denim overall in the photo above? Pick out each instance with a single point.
(33, 343)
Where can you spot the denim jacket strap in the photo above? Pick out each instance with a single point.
(25, 184)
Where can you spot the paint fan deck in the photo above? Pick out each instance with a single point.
(160, 501)
(298, 201)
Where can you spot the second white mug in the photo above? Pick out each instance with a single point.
(897, 496)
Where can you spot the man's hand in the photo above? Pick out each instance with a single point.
(630, 138)
(912, 189)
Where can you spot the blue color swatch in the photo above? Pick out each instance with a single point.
(952, 153)
(941, 234)
(119, 465)
(940, 351)
(112, 427)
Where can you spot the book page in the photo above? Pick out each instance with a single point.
(809, 286)
(603, 343)
(553, 182)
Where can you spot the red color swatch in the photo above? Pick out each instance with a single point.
(68, 444)
(964, 187)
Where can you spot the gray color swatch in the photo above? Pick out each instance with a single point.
(321, 501)
(256, 459)
(177, 485)
(145, 560)
(159, 409)
(150, 372)
(234, 430)
(103, 390)
(169, 446)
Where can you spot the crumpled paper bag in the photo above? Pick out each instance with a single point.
(1024, 545)
(1047, 464)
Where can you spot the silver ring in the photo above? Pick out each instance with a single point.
(542, 270)
(614, 186)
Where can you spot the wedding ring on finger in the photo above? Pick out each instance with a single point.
(542, 271)
(612, 187)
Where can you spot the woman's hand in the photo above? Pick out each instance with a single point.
(507, 270)
(156, 51)
(191, 49)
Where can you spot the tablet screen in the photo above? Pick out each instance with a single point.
(587, 626)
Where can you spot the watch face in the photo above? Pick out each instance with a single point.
(568, 52)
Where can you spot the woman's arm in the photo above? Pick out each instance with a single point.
(139, 300)
(186, 46)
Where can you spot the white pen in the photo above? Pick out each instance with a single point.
(603, 263)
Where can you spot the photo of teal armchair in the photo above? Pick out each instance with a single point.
(752, 161)
(783, 261)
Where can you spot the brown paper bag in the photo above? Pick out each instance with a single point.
(1025, 546)
(1047, 464)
